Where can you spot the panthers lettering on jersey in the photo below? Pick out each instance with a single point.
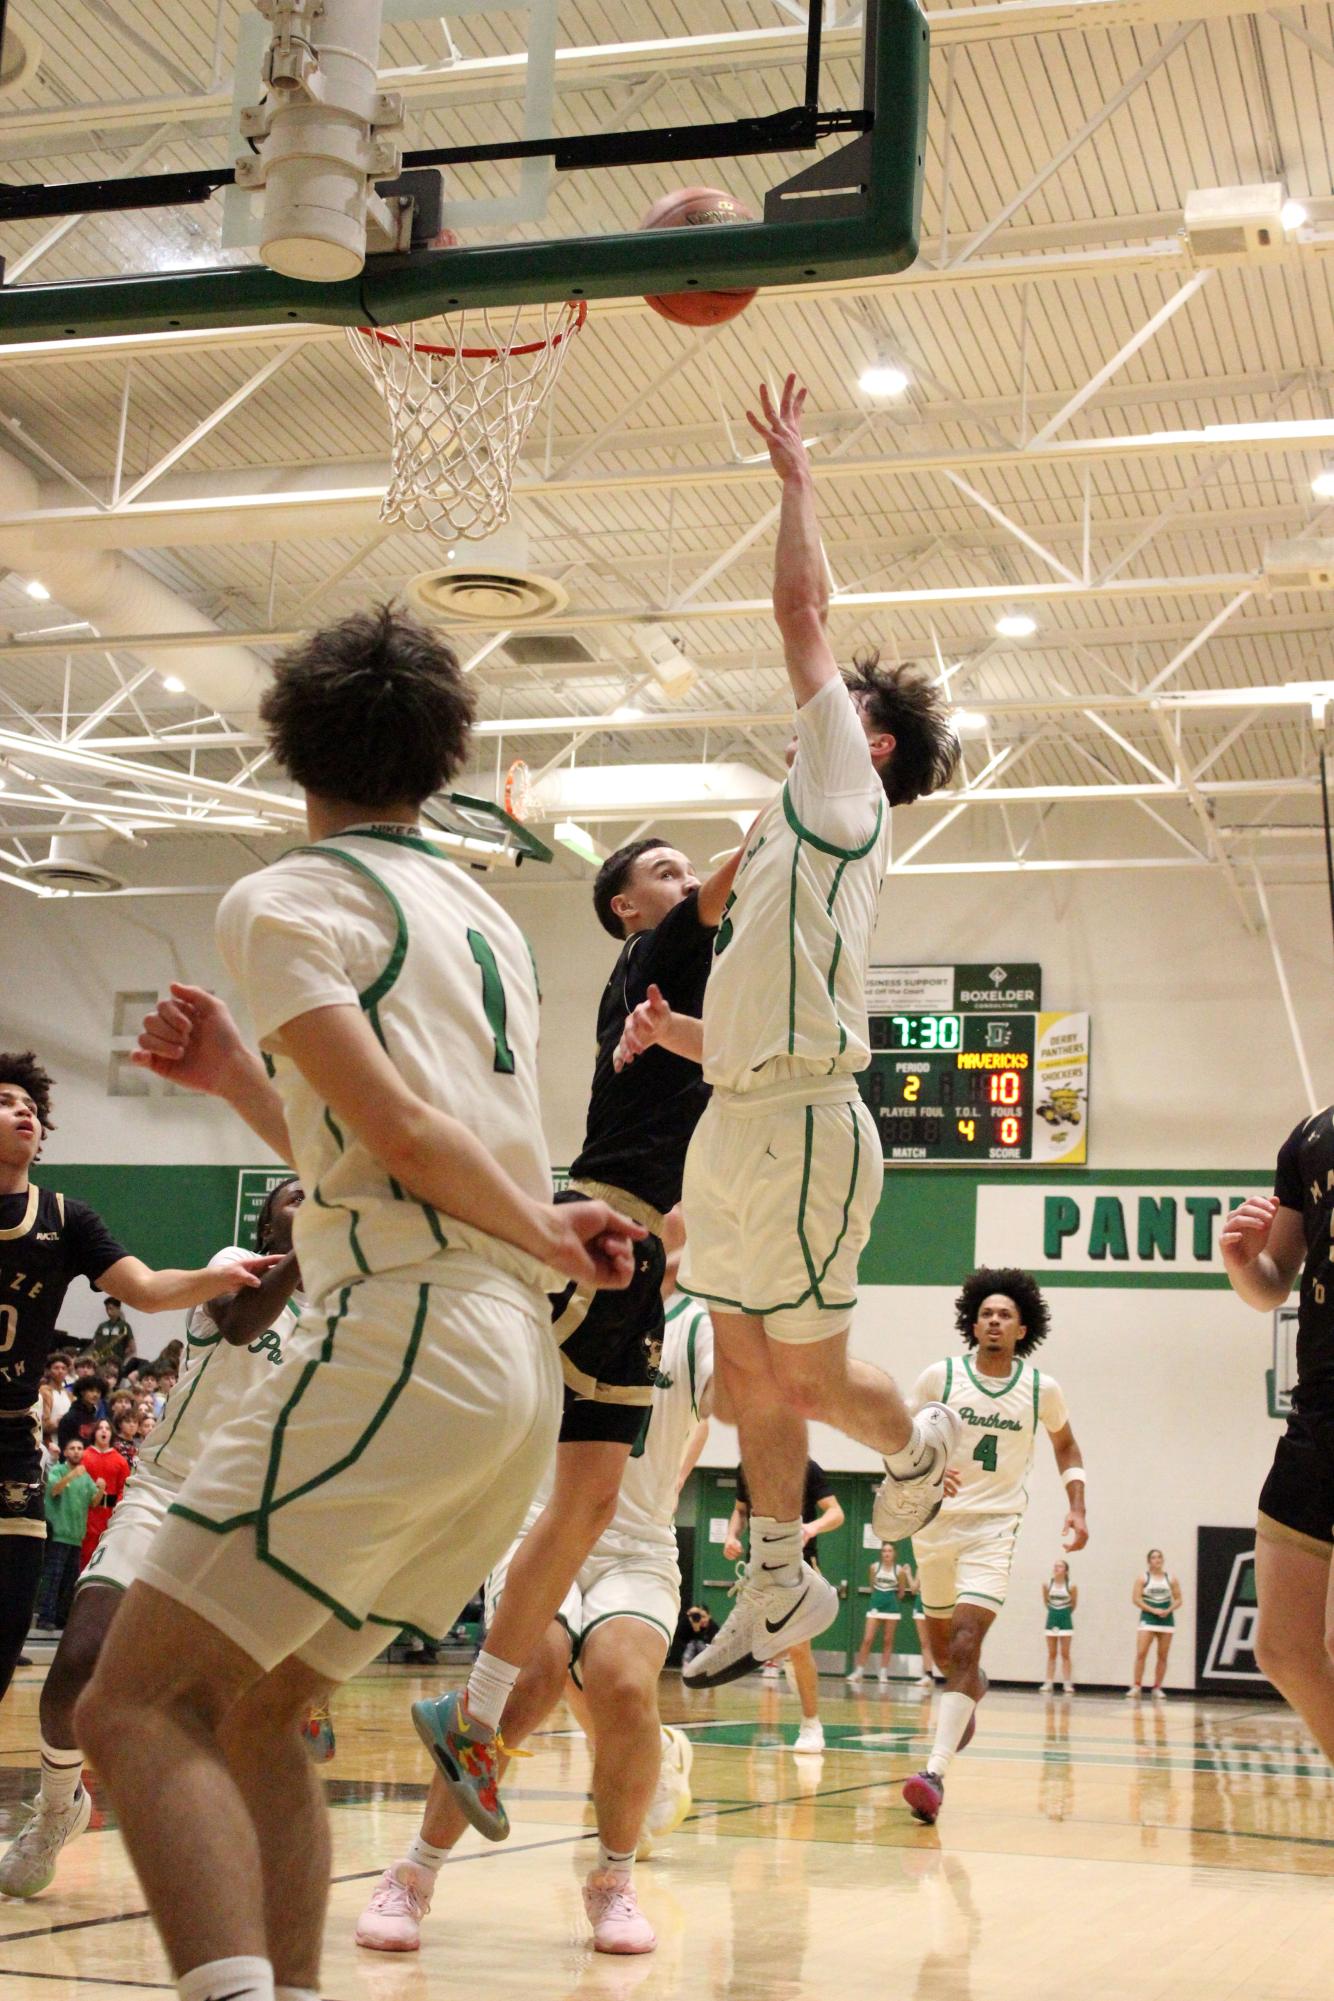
(1001, 1417)
(1304, 1181)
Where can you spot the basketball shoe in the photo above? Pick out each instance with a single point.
(767, 1619)
(468, 1754)
(29, 1863)
(672, 1800)
(904, 1505)
(391, 1922)
(613, 1911)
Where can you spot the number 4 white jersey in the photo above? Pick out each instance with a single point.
(377, 917)
(1001, 1417)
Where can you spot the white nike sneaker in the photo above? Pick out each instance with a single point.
(854, 1675)
(672, 1800)
(766, 1619)
(902, 1506)
(29, 1862)
(810, 1737)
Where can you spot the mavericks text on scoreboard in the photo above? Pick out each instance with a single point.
(1005, 1088)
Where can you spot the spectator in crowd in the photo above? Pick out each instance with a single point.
(166, 1383)
(55, 1396)
(147, 1425)
(70, 1492)
(50, 1445)
(110, 1471)
(113, 1338)
(170, 1358)
(702, 1628)
(85, 1413)
(125, 1437)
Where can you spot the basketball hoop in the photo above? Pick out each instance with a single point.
(518, 790)
(459, 412)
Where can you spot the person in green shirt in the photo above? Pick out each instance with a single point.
(69, 1494)
(113, 1338)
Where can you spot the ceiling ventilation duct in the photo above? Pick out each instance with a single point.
(491, 582)
(74, 862)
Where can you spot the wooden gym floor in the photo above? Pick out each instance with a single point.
(1088, 1850)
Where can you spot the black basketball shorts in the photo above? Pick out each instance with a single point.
(1297, 1500)
(610, 1347)
(21, 1511)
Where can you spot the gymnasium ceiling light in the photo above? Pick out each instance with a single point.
(883, 378)
(968, 722)
(1322, 486)
(1016, 625)
(38, 590)
(173, 684)
(1293, 214)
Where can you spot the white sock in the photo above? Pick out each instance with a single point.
(296, 1994)
(426, 1857)
(952, 1721)
(61, 1773)
(623, 1865)
(913, 1456)
(775, 1550)
(241, 1979)
(488, 1689)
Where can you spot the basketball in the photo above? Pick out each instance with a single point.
(689, 208)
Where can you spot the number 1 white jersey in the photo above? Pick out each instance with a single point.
(378, 917)
(1001, 1417)
(790, 959)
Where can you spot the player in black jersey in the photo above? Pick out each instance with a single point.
(1265, 1243)
(45, 1241)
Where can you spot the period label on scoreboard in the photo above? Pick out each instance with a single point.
(996, 1088)
(994, 988)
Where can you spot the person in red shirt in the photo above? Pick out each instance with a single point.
(104, 1463)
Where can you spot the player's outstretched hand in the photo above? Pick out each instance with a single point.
(190, 1037)
(645, 1027)
(1246, 1231)
(1075, 1533)
(781, 428)
(591, 1243)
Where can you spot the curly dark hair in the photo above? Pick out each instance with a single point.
(913, 709)
(1017, 1286)
(373, 710)
(22, 1068)
(613, 876)
(265, 1217)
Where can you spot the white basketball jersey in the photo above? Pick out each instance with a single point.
(214, 1380)
(1001, 1416)
(790, 958)
(646, 1511)
(378, 917)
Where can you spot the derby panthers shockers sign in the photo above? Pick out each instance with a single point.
(1225, 1614)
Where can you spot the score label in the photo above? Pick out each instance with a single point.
(1010, 1089)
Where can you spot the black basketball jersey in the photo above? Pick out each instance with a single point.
(45, 1241)
(1304, 1181)
(640, 1119)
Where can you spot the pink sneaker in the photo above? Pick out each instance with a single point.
(613, 1911)
(391, 1922)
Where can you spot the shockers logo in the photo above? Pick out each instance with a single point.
(1231, 1650)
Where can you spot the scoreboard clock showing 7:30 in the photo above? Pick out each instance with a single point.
(1005, 1089)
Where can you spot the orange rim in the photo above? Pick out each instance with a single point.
(390, 339)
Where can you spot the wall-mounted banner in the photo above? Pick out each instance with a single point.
(985, 989)
(1128, 1233)
(1225, 1614)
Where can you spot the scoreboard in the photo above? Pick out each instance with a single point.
(1000, 1089)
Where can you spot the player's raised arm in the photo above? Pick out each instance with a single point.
(191, 1039)
(1262, 1244)
(801, 586)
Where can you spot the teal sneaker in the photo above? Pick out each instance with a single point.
(317, 1734)
(468, 1755)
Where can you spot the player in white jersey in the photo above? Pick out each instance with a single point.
(964, 1555)
(374, 1477)
(231, 1343)
(611, 1634)
(785, 1169)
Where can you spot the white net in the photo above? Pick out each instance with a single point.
(462, 394)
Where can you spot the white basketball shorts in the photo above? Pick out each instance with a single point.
(965, 1562)
(779, 1196)
(646, 1587)
(371, 1480)
(136, 1518)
